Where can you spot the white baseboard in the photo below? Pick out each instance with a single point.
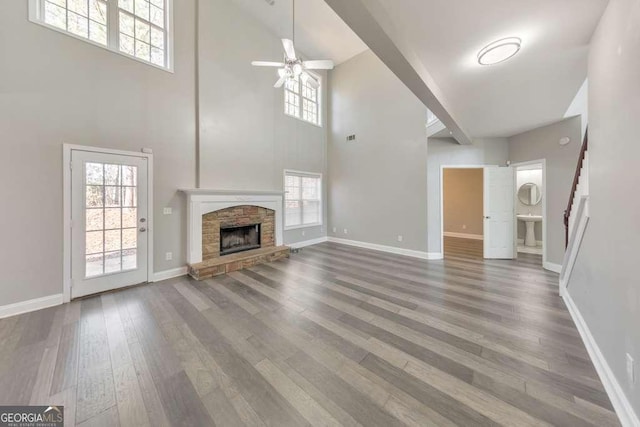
(389, 249)
(622, 406)
(556, 268)
(30, 305)
(170, 274)
(302, 244)
(521, 242)
(463, 235)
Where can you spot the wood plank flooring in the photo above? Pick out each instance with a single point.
(335, 335)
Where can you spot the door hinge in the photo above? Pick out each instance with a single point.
(71, 165)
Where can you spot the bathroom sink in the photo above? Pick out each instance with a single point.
(530, 221)
(530, 218)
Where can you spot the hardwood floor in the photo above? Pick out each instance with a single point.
(334, 336)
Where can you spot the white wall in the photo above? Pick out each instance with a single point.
(446, 152)
(561, 161)
(246, 141)
(378, 183)
(55, 89)
(605, 284)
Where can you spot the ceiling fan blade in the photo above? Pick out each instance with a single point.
(308, 78)
(325, 64)
(281, 82)
(267, 64)
(289, 50)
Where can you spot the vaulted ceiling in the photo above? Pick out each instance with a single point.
(532, 89)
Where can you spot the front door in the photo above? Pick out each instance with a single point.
(109, 231)
(498, 212)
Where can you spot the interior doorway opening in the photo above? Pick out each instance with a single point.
(462, 212)
(530, 210)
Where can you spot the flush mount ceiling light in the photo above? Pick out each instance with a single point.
(499, 51)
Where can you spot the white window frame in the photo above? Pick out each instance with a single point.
(36, 15)
(284, 202)
(300, 107)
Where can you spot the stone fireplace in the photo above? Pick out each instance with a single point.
(229, 231)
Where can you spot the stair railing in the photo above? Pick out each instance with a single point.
(574, 187)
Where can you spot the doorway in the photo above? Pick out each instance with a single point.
(108, 239)
(530, 212)
(462, 212)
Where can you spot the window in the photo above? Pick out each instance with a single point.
(303, 199)
(301, 100)
(136, 28)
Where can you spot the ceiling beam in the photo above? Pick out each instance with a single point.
(370, 22)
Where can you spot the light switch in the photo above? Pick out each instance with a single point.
(168, 211)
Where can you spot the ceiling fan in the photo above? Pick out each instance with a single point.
(293, 67)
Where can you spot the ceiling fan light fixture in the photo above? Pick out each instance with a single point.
(499, 51)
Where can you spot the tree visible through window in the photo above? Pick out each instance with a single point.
(302, 101)
(133, 27)
(303, 199)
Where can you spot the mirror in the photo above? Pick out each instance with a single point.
(529, 194)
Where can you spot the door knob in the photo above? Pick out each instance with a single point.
(142, 229)
(487, 217)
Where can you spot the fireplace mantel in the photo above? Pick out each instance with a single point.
(202, 201)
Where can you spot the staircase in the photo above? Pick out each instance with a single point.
(576, 216)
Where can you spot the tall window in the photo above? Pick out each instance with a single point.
(301, 100)
(136, 28)
(303, 199)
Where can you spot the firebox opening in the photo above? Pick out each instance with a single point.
(239, 239)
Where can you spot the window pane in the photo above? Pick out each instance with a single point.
(142, 50)
(127, 24)
(94, 219)
(311, 212)
(127, 44)
(130, 175)
(129, 217)
(94, 242)
(310, 188)
(112, 196)
(98, 11)
(157, 16)
(93, 172)
(129, 259)
(292, 213)
(112, 174)
(142, 9)
(78, 25)
(157, 38)
(93, 266)
(98, 32)
(78, 6)
(126, 5)
(55, 15)
(94, 196)
(143, 31)
(158, 3)
(129, 238)
(112, 240)
(112, 218)
(157, 56)
(112, 262)
(129, 197)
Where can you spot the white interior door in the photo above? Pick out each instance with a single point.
(499, 212)
(109, 243)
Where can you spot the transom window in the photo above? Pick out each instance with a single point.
(301, 100)
(303, 199)
(136, 28)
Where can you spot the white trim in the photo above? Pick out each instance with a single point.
(442, 168)
(543, 162)
(170, 274)
(34, 15)
(389, 249)
(463, 235)
(67, 149)
(571, 254)
(306, 243)
(620, 402)
(30, 305)
(521, 242)
(556, 268)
